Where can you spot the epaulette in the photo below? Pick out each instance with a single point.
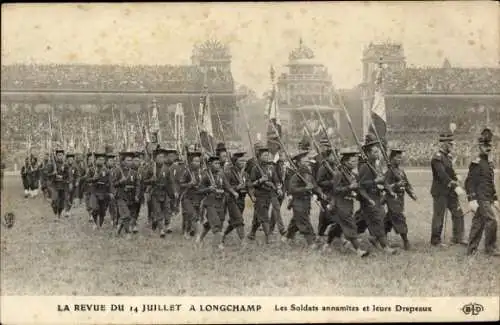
(438, 156)
(476, 161)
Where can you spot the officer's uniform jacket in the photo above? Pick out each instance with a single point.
(480, 181)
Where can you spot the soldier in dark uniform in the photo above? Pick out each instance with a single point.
(44, 185)
(278, 161)
(249, 166)
(161, 180)
(482, 197)
(397, 182)
(237, 181)
(80, 166)
(86, 188)
(371, 194)
(101, 189)
(445, 191)
(267, 187)
(61, 182)
(214, 186)
(345, 187)
(302, 188)
(324, 179)
(138, 166)
(75, 179)
(319, 161)
(191, 198)
(30, 176)
(112, 165)
(126, 185)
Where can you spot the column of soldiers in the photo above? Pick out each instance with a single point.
(212, 189)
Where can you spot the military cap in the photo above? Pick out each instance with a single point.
(446, 137)
(89, 154)
(212, 158)
(164, 151)
(221, 147)
(486, 136)
(237, 155)
(370, 140)
(110, 155)
(396, 151)
(300, 155)
(193, 154)
(125, 154)
(100, 155)
(261, 150)
(69, 155)
(59, 151)
(346, 153)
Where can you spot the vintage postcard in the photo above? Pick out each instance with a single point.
(279, 162)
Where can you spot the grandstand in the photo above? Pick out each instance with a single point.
(422, 102)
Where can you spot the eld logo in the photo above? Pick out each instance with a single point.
(472, 309)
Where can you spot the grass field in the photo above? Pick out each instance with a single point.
(43, 256)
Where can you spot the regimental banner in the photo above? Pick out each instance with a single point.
(218, 310)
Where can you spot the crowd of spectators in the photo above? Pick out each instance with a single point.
(137, 78)
(442, 81)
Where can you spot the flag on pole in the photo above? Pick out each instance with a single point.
(205, 120)
(155, 122)
(378, 111)
(272, 111)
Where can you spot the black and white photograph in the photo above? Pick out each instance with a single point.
(244, 153)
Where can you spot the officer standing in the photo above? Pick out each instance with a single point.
(445, 192)
(482, 197)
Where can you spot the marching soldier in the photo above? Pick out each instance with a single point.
(75, 179)
(61, 182)
(30, 176)
(80, 166)
(482, 197)
(138, 166)
(324, 179)
(267, 187)
(397, 182)
(161, 180)
(319, 161)
(445, 191)
(101, 189)
(214, 186)
(191, 198)
(371, 195)
(237, 181)
(44, 182)
(283, 175)
(344, 188)
(86, 188)
(126, 185)
(249, 166)
(221, 152)
(301, 188)
(112, 165)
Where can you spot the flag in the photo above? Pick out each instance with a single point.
(272, 111)
(155, 121)
(205, 120)
(378, 111)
